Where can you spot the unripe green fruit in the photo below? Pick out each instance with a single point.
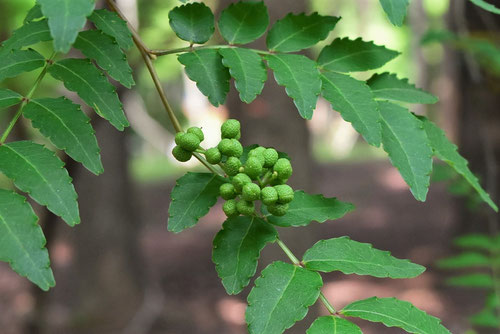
(259, 156)
(189, 142)
(232, 166)
(269, 195)
(240, 180)
(230, 147)
(181, 154)
(285, 193)
(230, 129)
(270, 157)
(257, 150)
(196, 131)
(245, 208)
(227, 191)
(250, 192)
(277, 209)
(284, 168)
(230, 209)
(178, 136)
(213, 155)
(253, 168)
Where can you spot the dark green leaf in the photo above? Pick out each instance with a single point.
(39, 172)
(192, 197)
(16, 62)
(354, 100)
(69, 129)
(297, 32)
(301, 79)
(486, 318)
(243, 22)
(472, 281)
(395, 313)
(110, 23)
(281, 297)
(248, 71)
(387, 86)
(193, 22)
(333, 325)
(352, 257)
(205, 68)
(34, 13)
(237, 249)
(28, 34)
(306, 208)
(23, 243)
(9, 98)
(465, 260)
(347, 55)
(82, 77)
(486, 6)
(395, 10)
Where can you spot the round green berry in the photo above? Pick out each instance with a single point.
(232, 166)
(257, 150)
(253, 168)
(284, 168)
(230, 147)
(196, 131)
(245, 208)
(277, 209)
(178, 136)
(270, 157)
(213, 155)
(230, 129)
(250, 192)
(230, 209)
(269, 195)
(240, 180)
(181, 154)
(227, 191)
(189, 142)
(285, 193)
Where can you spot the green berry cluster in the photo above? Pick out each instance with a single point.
(262, 177)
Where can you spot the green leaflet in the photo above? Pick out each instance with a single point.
(295, 32)
(479, 241)
(205, 68)
(395, 313)
(354, 100)
(96, 45)
(237, 249)
(387, 86)
(9, 98)
(306, 208)
(486, 6)
(465, 260)
(22, 243)
(192, 22)
(16, 62)
(347, 55)
(243, 22)
(34, 13)
(281, 297)
(192, 197)
(448, 152)
(352, 257)
(486, 318)
(68, 128)
(472, 281)
(405, 141)
(82, 77)
(333, 325)
(247, 69)
(110, 23)
(395, 10)
(28, 34)
(66, 19)
(39, 172)
(301, 79)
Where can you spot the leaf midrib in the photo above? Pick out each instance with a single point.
(303, 29)
(387, 316)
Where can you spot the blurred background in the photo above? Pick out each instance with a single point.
(120, 271)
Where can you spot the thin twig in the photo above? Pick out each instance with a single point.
(202, 47)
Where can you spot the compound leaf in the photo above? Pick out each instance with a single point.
(472, 281)
(28, 34)
(387, 86)
(22, 243)
(281, 297)
(40, 173)
(34, 13)
(301, 79)
(479, 241)
(354, 100)
(486, 6)
(9, 98)
(237, 249)
(243, 22)
(333, 325)
(192, 197)
(465, 260)
(306, 208)
(206, 69)
(68, 128)
(82, 77)
(395, 313)
(486, 318)
(110, 23)
(406, 142)
(192, 22)
(248, 71)
(16, 62)
(347, 55)
(352, 257)
(295, 32)
(101, 47)
(395, 10)
(66, 19)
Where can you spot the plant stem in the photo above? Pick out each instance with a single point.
(26, 99)
(191, 48)
(327, 304)
(289, 253)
